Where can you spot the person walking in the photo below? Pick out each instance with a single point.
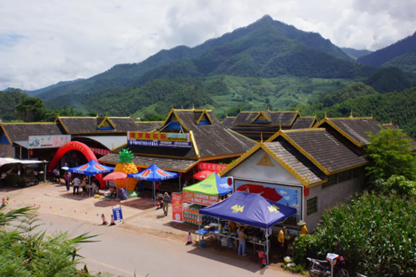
(166, 200)
(67, 177)
(281, 241)
(241, 241)
(77, 181)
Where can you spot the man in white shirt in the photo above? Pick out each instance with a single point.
(76, 181)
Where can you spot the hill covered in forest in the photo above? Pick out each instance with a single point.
(401, 54)
(266, 49)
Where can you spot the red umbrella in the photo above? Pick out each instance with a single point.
(115, 176)
(202, 175)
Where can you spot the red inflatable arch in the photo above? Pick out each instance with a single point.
(81, 147)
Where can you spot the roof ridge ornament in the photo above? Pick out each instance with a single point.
(351, 116)
(268, 108)
(193, 106)
(372, 117)
(325, 115)
(261, 135)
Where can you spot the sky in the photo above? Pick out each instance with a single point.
(43, 42)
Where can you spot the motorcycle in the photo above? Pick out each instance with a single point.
(318, 268)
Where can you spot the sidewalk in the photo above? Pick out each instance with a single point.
(138, 213)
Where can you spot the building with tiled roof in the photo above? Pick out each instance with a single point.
(309, 169)
(261, 125)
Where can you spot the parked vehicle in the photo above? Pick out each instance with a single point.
(318, 268)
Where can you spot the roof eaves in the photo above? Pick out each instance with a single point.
(7, 136)
(301, 150)
(241, 159)
(328, 121)
(258, 115)
(58, 118)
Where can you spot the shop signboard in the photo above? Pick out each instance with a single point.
(212, 167)
(177, 207)
(100, 151)
(285, 195)
(201, 199)
(54, 141)
(117, 213)
(159, 139)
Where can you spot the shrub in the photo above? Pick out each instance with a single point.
(375, 234)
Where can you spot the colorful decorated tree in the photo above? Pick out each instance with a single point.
(125, 165)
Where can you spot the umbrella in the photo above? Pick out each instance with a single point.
(214, 185)
(202, 175)
(91, 168)
(154, 174)
(115, 176)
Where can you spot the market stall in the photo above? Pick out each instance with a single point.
(154, 174)
(91, 168)
(205, 193)
(252, 210)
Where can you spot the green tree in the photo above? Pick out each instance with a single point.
(389, 154)
(31, 109)
(26, 252)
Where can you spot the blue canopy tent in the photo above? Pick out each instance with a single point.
(91, 168)
(154, 174)
(250, 209)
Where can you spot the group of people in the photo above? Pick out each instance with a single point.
(78, 181)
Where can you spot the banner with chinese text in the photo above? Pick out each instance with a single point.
(177, 207)
(212, 167)
(159, 139)
(201, 199)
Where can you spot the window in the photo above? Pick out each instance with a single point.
(332, 180)
(344, 176)
(312, 205)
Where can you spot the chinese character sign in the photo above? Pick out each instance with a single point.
(177, 207)
(201, 199)
(117, 213)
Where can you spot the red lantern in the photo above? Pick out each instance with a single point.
(31, 152)
(230, 181)
(306, 191)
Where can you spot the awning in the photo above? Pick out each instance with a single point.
(4, 161)
(170, 164)
(110, 142)
(250, 209)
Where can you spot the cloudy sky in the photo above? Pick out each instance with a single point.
(43, 42)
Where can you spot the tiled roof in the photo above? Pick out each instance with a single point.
(228, 122)
(147, 126)
(291, 160)
(22, 131)
(303, 123)
(145, 161)
(276, 118)
(354, 129)
(86, 125)
(214, 139)
(319, 145)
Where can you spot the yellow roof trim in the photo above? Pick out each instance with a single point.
(148, 122)
(5, 133)
(172, 111)
(294, 118)
(269, 111)
(328, 121)
(260, 114)
(26, 123)
(260, 125)
(109, 121)
(194, 144)
(62, 124)
(241, 159)
(348, 168)
(241, 135)
(202, 116)
(270, 139)
(301, 150)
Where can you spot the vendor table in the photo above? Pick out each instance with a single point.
(255, 243)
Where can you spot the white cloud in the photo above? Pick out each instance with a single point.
(287, 198)
(44, 42)
(282, 192)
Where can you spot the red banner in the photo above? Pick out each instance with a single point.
(201, 199)
(177, 207)
(100, 151)
(212, 167)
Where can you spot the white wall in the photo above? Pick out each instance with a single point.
(249, 170)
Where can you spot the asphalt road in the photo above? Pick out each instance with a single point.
(123, 252)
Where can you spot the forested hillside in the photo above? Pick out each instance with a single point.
(354, 53)
(384, 56)
(8, 101)
(398, 107)
(265, 49)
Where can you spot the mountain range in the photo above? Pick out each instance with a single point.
(265, 64)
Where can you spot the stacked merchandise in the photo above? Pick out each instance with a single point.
(191, 214)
